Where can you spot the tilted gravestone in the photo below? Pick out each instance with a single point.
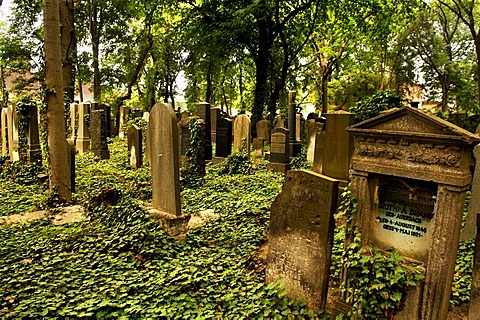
(279, 152)
(82, 141)
(410, 174)
(134, 139)
(223, 146)
(203, 111)
(98, 134)
(301, 235)
(264, 130)
(241, 130)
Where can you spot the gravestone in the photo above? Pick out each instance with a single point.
(12, 133)
(294, 145)
(4, 128)
(470, 229)
(184, 140)
(83, 137)
(301, 235)
(203, 111)
(298, 127)
(318, 152)
(474, 306)
(134, 139)
(71, 161)
(34, 151)
(73, 122)
(312, 129)
(241, 130)
(257, 148)
(410, 174)
(279, 122)
(122, 121)
(223, 146)
(338, 145)
(188, 160)
(164, 162)
(279, 152)
(98, 134)
(264, 130)
(215, 114)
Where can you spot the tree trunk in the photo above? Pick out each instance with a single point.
(477, 51)
(209, 90)
(69, 44)
(95, 38)
(325, 93)
(56, 133)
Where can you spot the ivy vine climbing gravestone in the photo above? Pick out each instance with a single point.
(410, 172)
(301, 235)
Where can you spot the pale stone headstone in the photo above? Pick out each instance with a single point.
(312, 129)
(4, 128)
(164, 162)
(318, 152)
(122, 120)
(241, 130)
(338, 145)
(224, 139)
(264, 130)
(203, 111)
(298, 127)
(34, 151)
(301, 235)
(71, 159)
(98, 134)
(134, 139)
(146, 116)
(279, 152)
(12, 133)
(257, 147)
(279, 122)
(83, 137)
(410, 173)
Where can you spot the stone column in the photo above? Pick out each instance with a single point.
(294, 146)
(474, 308)
(12, 126)
(83, 137)
(443, 253)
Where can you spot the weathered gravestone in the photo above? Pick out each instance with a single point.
(298, 127)
(82, 141)
(294, 145)
(12, 133)
(301, 235)
(312, 129)
(122, 121)
(192, 153)
(279, 152)
(264, 130)
(474, 307)
(34, 151)
(241, 129)
(203, 111)
(134, 139)
(4, 128)
(223, 146)
(257, 147)
(410, 173)
(98, 134)
(215, 114)
(319, 151)
(279, 122)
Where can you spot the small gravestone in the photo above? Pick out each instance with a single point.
(264, 130)
(215, 114)
(98, 134)
(279, 122)
(241, 130)
(279, 155)
(82, 141)
(318, 152)
(301, 235)
(257, 147)
(203, 111)
(224, 139)
(12, 133)
(4, 129)
(312, 129)
(122, 121)
(134, 139)
(34, 151)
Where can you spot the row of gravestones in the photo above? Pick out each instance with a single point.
(409, 172)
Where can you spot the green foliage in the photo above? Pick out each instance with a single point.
(372, 106)
(300, 161)
(462, 277)
(237, 163)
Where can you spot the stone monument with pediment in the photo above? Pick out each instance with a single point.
(410, 172)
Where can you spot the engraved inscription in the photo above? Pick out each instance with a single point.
(278, 143)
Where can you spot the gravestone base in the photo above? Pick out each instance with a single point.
(279, 167)
(339, 308)
(82, 144)
(295, 148)
(171, 224)
(217, 160)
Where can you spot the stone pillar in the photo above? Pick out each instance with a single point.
(164, 162)
(4, 128)
(474, 308)
(34, 151)
(294, 146)
(12, 126)
(134, 137)
(279, 155)
(98, 134)
(83, 137)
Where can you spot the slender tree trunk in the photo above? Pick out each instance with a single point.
(95, 39)
(209, 90)
(477, 51)
(56, 133)
(68, 41)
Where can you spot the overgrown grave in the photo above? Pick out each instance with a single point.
(410, 173)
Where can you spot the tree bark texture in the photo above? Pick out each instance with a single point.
(69, 44)
(56, 133)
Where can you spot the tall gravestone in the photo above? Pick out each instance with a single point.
(34, 151)
(98, 134)
(164, 160)
(312, 129)
(192, 155)
(215, 114)
(241, 130)
(338, 145)
(203, 111)
(122, 120)
(12, 133)
(294, 145)
(82, 141)
(223, 146)
(4, 128)
(135, 141)
(319, 152)
(301, 235)
(279, 152)
(264, 130)
(410, 174)
(73, 122)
